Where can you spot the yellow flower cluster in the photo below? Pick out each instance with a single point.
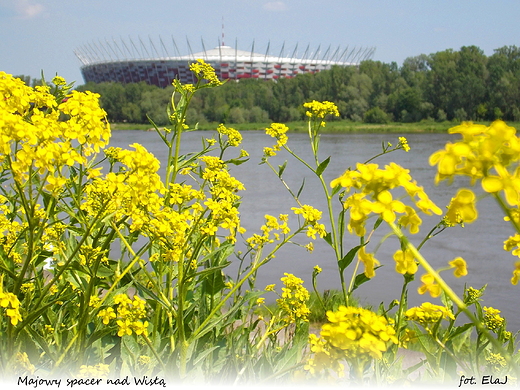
(10, 302)
(128, 317)
(278, 131)
(492, 319)
(428, 313)
(352, 333)
(204, 71)
(223, 201)
(294, 298)
(481, 149)
(23, 364)
(100, 370)
(320, 110)
(403, 143)
(34, 137)
(312, 217)
(134, 191)
(374, 196)
(496, 361)
(272, 224)
(9, 232)
(489, 154)
(234, 136)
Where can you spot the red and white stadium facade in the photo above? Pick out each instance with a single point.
(123, 63)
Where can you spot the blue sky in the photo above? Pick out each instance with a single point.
(38, 35)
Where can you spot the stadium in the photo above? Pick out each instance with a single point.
(128, 62)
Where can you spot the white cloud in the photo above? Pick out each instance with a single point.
(275, 6)
(26, 9)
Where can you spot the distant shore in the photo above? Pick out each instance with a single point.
(331, 127)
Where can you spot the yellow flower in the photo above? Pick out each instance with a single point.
(387, 207)
(462, 207)
(405, 262)
(506, 182)
(294, 298)
(124, 328)
(403, 143)
(321, 109)
(428, 313)
(58, 80)
(278, 131)
(140, 328)
(234, 137)
(460, 267)
(100, 370)
(205, 71)
(369, 261)
(492, 319)
(429, 285)
(107, 314)
(516, 274)
(411, 219)
(354, 332)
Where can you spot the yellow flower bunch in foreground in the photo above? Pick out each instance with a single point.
(373, 195)
(354, 334)
(293, 301)
(33, 138)
(320, 110)
(489, 154)
(428, 313)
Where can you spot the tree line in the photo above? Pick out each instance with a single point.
(447, 85)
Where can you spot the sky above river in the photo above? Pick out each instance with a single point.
(41, 35)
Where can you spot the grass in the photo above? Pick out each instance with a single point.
(339, 126)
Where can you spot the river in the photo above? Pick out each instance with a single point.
(479, 243)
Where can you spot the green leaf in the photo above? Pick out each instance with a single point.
(200, 358)
(460, 329)
(214, 282)
(301, 188)
(378, 223)
(347, 259)
(323, 165)
(281, 169)
(336, 189)
(360, 279)
(328, 239)
(236, 161)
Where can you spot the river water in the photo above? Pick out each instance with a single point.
(479, 243)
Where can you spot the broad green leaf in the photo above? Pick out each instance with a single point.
(323, 165)
(347, 259)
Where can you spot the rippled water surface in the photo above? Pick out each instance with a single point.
(479, 243)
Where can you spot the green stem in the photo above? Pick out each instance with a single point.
(449, 292)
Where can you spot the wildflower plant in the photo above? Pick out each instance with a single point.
(108, 268)
(391, 195)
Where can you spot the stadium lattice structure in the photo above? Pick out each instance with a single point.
(130, 62)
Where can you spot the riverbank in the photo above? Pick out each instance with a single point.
(332, 126)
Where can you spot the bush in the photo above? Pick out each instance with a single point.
(376, 115)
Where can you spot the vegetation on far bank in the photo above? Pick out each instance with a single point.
(444, 86)
(332, 127)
